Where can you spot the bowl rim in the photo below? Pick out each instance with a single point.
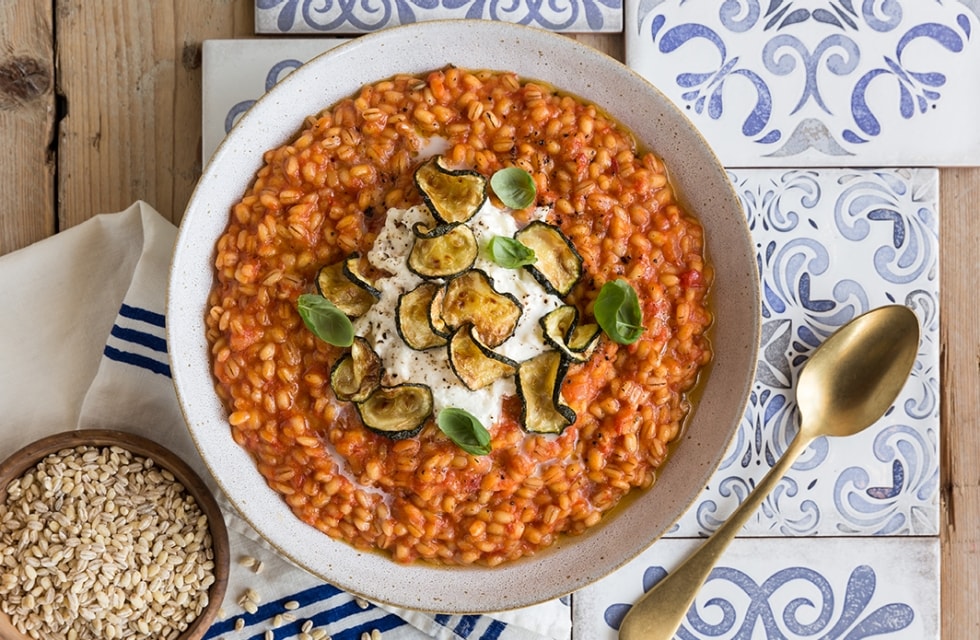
(20, 461)
(463, 597)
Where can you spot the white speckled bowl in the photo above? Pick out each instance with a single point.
(573, 67)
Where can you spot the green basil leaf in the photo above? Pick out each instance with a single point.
(617, 310)
(510, 253)
(325, 320)
(515, 187)
(465, 430)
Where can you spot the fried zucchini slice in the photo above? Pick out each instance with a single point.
(582, 341)
(350, 297)
(558, 266)
(412, 317)
(444, 255)
(471, 299)
(563, 332)
(398, 412)
(539, 383)
(476, 364)
(354, 273)
(436, 322)
(453, 196)
(558, 323)
(357, 374)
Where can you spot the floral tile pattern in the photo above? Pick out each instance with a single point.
(766, 589)
(832, 244)
(284, 17)
(237, 72)
(799, 83)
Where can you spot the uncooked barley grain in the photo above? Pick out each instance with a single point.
(98, 542)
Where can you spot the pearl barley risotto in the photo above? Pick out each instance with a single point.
(561, 416)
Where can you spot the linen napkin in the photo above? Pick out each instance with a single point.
(82, 345)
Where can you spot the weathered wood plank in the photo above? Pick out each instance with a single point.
(612, 44)
(960, 425)
(137, 136)
(27, 113)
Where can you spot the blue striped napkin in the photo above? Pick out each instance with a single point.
(82, 345)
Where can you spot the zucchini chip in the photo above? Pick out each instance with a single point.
(558, 324)
(354, 273)
(412, 317)
(350, 297)
(444, 255)
(563, 332)
(471, 299)
(539, 383)
(558, 266)
(436, 323)
(429, 230)
(474, 363)
(452, 196)
(357, 374)
(582, 341)
(398, 412)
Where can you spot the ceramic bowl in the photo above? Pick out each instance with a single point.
(17, 464)
(697, 176)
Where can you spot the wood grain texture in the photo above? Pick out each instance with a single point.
(959, 331)
(27, 112)
(612, 45)
(131, 75)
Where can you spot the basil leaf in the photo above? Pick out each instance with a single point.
(325, 320)
(465, 430)
(617, 310)
(514, 186)
(510, 253)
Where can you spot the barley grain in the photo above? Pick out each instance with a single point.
(92, 579)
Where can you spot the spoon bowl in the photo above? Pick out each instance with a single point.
(852, 379)
(849, 383)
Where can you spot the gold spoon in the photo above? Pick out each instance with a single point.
(847, 385)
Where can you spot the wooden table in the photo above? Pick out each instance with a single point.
(100, 105)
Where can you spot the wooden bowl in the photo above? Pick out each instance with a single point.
(18, 463)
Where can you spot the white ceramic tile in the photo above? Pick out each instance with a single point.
(284, 17)
(235, 73)
(831, 244)
(799, 83)
(827, 588)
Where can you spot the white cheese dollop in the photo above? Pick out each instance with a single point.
(431, 367)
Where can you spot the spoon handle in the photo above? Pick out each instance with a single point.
(659, 613)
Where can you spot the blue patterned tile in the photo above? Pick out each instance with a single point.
(765, 589)
(798, 83)
(283, 17)
(832, 244)
(236, 72)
